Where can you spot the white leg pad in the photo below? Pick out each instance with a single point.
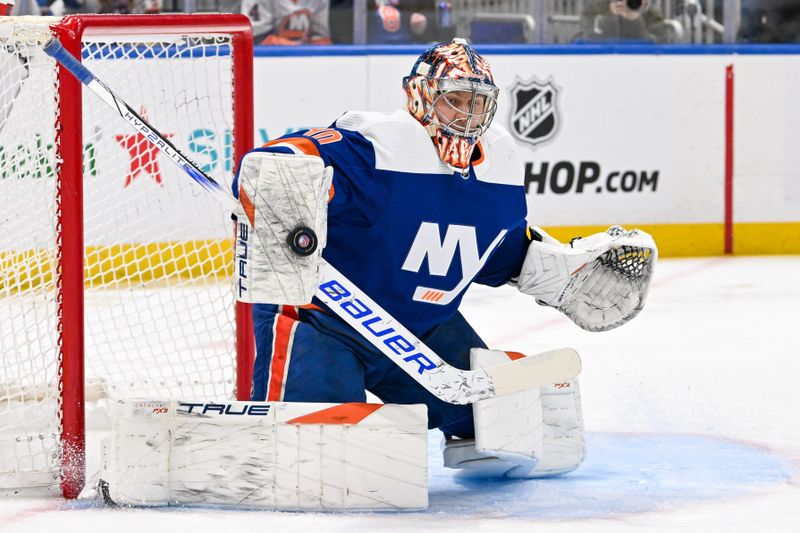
(278, 194)
(267, 455)
(564, 444)
(529, 434)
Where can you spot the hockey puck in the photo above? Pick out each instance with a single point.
(302, 241)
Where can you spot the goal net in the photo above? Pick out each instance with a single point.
(115, 267)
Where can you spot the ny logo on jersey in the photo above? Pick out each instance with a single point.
(440, 256)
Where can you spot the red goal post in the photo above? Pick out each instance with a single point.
(149, 253)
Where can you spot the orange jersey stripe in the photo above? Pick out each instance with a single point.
(305, 145)
(312, 307)
(284, 331)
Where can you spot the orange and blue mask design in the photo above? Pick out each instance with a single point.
(451, 67)
(455, 60)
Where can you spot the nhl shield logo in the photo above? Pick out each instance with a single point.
(534, 113)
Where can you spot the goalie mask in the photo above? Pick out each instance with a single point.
(452, 94)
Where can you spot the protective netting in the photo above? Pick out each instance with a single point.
(29, 417)
(159, 318)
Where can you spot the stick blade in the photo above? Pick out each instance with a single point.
(538, 370)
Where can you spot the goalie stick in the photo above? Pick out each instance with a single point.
(56, 50)
(352, 305)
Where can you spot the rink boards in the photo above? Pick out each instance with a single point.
(633, 135)
(684, 143)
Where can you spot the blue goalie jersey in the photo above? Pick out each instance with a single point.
(408, 230)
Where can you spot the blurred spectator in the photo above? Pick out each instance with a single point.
(133, 6)
(402, 21)
(288, 21)
(621, 20)
(19, 7)
(770, 21)
(73, 7)
(390, 22)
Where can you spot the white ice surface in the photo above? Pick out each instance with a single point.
(693, 413)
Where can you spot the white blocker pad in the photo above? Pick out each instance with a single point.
(278, 194)
(267, 455)
(528, 434)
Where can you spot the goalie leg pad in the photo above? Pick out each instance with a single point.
(564, 443)
(529, 434)
(279, 195)
(267, 455)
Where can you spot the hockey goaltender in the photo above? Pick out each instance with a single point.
(347, 247)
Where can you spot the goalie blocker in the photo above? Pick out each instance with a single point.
(281, 227)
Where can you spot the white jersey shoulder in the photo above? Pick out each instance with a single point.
(500, 163)
(401, 143)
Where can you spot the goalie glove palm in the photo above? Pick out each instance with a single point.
(599, 282)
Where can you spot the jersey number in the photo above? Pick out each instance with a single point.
(324, 135)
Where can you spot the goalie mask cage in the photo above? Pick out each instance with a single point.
(115, 268)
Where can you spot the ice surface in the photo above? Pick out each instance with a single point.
(693, 413)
